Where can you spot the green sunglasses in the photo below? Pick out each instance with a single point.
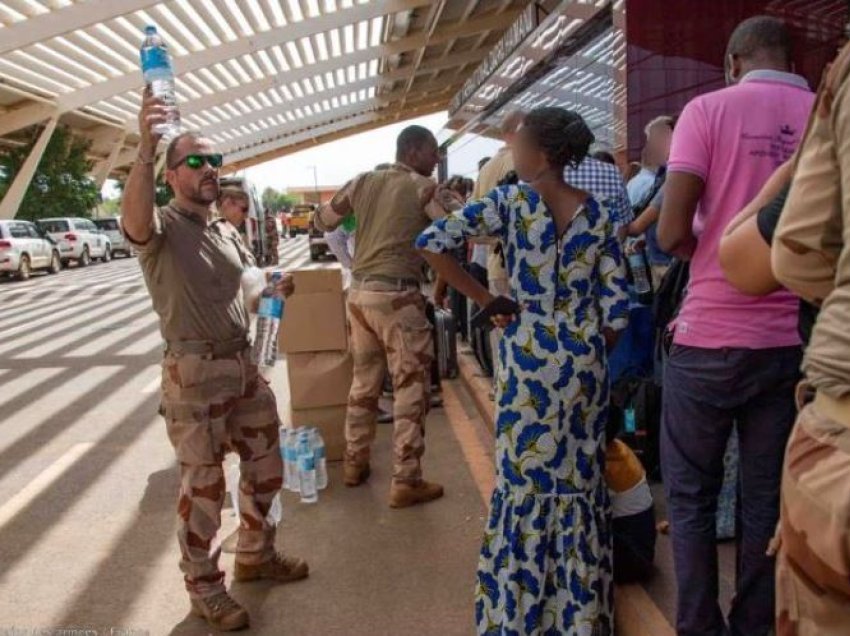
(196, 162)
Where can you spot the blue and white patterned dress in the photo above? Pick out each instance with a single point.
(546, 562)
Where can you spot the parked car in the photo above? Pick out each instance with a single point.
(24, 248)
(299, 218)
(78, 239)
(318, 243)
(111, 226)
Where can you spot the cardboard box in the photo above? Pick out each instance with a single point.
(314, 316)
(319, 379)
(330, 420)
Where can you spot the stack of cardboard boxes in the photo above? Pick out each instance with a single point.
(314, 336)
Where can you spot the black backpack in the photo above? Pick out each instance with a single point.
(668, 300)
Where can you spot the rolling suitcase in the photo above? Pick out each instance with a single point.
(445, 336)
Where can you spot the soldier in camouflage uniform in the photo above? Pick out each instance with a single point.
(212, 396)
(389, 327)
(811, 256)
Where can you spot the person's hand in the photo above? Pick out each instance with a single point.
(153, 113)
(426, 194)
(285, 286)
(502, 321)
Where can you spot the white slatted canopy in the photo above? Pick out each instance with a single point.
(263, 78)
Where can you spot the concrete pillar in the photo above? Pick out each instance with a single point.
(15, 194)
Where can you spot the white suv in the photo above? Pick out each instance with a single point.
(111, 226)
(78, 239)
(24, 248)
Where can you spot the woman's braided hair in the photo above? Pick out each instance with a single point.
(562, 134)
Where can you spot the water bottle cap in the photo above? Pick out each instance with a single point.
(150, 30)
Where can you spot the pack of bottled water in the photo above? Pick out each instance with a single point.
(305, 468)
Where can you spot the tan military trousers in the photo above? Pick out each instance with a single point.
(213, 406)
(813, 565)
(389, 328)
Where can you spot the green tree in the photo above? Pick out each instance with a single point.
(61, 185)
(162, 195)
(275, 200)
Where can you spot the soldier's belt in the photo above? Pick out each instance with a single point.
(206, 347)
(359, 281)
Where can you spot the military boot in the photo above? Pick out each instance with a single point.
(280, 568)
(403, 495)
(354, 474)
(221, 612)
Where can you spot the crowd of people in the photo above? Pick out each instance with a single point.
(753, 206)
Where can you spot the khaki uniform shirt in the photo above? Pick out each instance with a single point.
(811, 248)
(193, 271)
(389, 216)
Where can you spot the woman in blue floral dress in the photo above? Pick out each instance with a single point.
(546, 563)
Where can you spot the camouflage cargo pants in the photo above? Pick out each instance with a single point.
(212, 406)
(813, 567)
(389, 329)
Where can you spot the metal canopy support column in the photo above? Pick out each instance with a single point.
(12, 201)
(160, 164)
(107, 166)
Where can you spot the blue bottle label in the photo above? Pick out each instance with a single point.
(307, 462)
(155, 58)
(270, 307)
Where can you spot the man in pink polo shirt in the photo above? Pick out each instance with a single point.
(735, 358)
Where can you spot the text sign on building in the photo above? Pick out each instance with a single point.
(510, 41)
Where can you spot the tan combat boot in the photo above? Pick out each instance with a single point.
(280, 568)
(405, 495)
(221, 612)
(355, 474)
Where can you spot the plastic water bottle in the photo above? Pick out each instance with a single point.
(269, 316)
(630, 421)
(159, 74)
(293, 482)
(282, 442)
(318, 445)
(307, 469)
(231, 481)
(640, 276)
(275, 514)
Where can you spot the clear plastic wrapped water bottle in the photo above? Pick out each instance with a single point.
(282, 443)
(641, 276)
(269, 315)
(159, 75)
(318, 445)
(293, 482)
(307, 469)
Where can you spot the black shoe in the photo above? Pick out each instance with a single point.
(385, 417)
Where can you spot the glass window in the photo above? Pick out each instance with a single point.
(107, 225)
(55, 226)
(18, 230)
(32, 230)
